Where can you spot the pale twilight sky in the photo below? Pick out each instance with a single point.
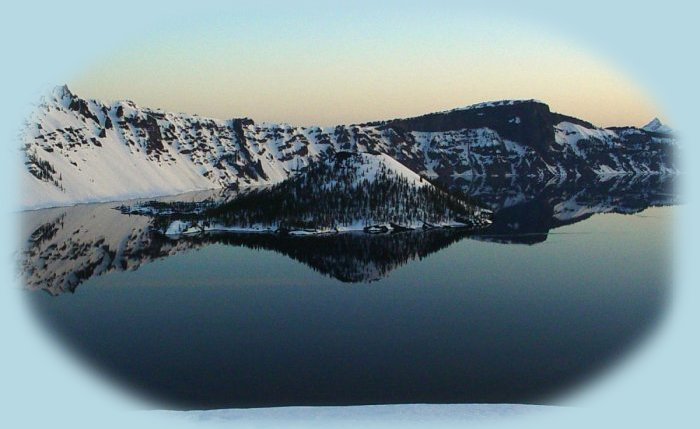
(326, 67)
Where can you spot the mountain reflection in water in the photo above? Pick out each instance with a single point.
(239, 320)
(67, 246)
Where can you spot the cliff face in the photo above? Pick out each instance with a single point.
(527, 122)
(80, 150)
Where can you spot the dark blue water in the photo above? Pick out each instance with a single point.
(225, 322)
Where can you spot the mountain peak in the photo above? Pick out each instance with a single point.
(655, 125)
(61, 95)
(62, 91)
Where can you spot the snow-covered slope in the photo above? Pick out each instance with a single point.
(614, 150)
(80, 150)
(343, 192)
(370, 167)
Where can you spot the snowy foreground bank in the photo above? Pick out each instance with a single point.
(404, 415)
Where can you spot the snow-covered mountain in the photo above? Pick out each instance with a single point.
(656, 126)
(80, 150)
(345, 191)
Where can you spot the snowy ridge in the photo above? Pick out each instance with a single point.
(615, 151)
(499, 103)
(80, 150)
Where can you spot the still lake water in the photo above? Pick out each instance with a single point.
(423, 317)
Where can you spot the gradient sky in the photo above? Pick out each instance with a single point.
(326, 66)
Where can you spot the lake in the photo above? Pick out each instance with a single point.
(567, 280)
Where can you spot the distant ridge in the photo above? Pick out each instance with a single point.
(79, 150)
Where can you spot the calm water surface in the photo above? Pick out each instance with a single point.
(437, 317)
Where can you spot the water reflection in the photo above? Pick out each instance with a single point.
(67, 246)
(527, 210)
(239, 320)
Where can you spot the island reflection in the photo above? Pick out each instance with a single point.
(66, 246)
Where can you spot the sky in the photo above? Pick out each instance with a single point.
(327, 66)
